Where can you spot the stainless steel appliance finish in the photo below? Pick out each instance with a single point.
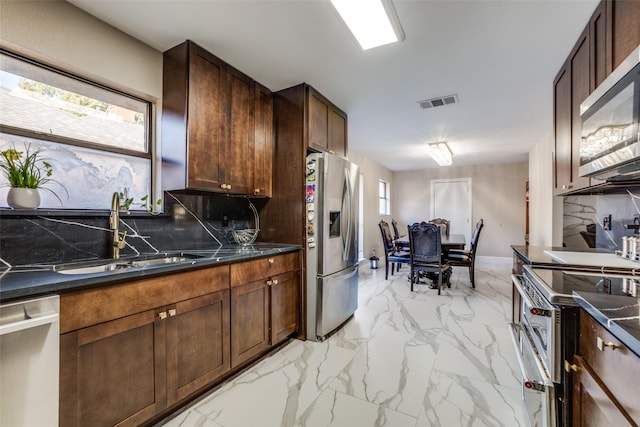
(332, 251)
(541, 321)
(29, 352)
(610, 136)
(547, 334)
(538, 391)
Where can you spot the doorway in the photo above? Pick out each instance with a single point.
(451, 199)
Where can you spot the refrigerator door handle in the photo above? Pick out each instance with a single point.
(346, 240)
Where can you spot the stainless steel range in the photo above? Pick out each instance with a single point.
(547, 334)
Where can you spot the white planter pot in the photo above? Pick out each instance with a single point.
(23, 198)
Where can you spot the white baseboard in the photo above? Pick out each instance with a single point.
(496, 259)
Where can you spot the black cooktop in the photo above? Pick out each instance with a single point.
(558, 285)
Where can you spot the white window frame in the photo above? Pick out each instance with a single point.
(386, 197)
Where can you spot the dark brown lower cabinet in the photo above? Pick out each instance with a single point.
(125, 371)
(285, 296)
(249, 321)
(131, 352)
(266, 310)
(112, 374)
(593, 404)
(198, 349)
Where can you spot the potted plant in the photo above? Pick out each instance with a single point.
(26, 173)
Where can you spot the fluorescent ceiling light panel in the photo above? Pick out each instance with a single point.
(441, 153)
(368, 21)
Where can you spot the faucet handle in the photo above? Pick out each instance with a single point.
(120, 243)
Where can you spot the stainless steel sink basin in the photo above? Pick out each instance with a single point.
(92, 267)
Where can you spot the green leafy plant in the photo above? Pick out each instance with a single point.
(126, 202)
(25, 169)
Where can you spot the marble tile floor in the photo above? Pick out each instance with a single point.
(404, 359)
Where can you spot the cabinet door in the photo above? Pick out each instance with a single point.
(598, 44)
(318, 119)
(263, 142)
(206, 127)
(237, 159)
(580, 78)
(562, 121)
(197, 344)
(623, 18)
(337, 123)
(249, 321)
(593, 404)
(285, 315)
(113, 373)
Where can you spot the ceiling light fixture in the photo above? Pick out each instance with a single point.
(441, 153)
(372, 22)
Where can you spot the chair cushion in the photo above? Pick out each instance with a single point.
(458, 257)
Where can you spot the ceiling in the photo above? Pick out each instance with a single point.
(499, 57)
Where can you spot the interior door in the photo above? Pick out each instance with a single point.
(451, 199)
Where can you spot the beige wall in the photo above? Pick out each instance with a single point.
(498, 192)
(59, 34)
(545, 209)
(371, 173)
(64, 36)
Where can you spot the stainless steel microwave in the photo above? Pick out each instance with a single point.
(610, 136)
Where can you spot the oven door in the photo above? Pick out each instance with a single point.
(538, 391)
(542, 321)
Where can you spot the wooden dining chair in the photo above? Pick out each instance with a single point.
(443, 223)
(392, 256)
(401, 246)
(462, 258)
(426, 254)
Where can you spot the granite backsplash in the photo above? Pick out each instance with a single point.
(189, 222)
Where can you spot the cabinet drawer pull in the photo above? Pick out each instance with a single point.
(567, 186)
(270, 260)
(602, 345)
(172, 312)
(162, 315)
(275, 282)
(332, 152)
(269, 282)
(568, 367)
(256, 191)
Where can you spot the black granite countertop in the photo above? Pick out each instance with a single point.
(25, 281)
(620, 315)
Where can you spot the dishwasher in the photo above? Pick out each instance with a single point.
(29, 362)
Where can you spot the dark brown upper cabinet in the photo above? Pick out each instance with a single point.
(209, 126)
(608, 38)
(327, 124)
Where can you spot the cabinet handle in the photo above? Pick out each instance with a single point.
(172, 312)
(270, 260)
(332, 152)
(228, 186)
(568, 367)
(269, 282)
(162, 315)
(602, 345)
(256, 191)
(275, 282)
(567, 186)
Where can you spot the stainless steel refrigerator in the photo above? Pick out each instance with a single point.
(332, 188)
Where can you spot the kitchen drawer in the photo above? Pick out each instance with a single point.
(90, 307)
(616, 365)
(250, 271)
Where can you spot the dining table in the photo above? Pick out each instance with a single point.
(452, 241)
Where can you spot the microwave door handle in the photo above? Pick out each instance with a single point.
(533, 309)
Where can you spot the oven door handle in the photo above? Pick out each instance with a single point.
(514, 331)
(533, 309)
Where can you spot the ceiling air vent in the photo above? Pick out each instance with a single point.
(438, 102)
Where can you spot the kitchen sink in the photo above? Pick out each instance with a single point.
(92, 267)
